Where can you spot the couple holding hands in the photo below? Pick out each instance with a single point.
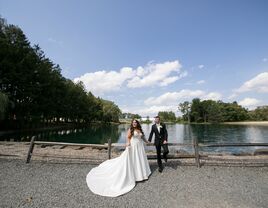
(119, 175)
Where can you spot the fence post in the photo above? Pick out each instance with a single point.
(196, 151)
(109, 148)
(30, 152)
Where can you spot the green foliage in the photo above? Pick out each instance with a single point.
(185, 109)
(147, 121)
(259, 114)
(111, 112)
(212, 111)
(167, 116)
(3, 105)
(196, 110)
(233, 112)
(37, 92)
(130, 116)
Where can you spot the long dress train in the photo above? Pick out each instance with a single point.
(118, 176)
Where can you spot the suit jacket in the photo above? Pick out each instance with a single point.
(159, 136)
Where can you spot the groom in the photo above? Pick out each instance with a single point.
(161, 136)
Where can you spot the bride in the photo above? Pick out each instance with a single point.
(118, 176)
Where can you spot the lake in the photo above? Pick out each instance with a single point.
(180, 133)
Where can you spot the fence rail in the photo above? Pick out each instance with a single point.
(232, 144)
(196, 146)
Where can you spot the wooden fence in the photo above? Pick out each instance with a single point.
(195, 145)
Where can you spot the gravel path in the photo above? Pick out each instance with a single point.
(41, 184)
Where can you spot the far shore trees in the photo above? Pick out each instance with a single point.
(202, 111)
(167, 116)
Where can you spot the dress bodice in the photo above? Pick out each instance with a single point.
(136, 135)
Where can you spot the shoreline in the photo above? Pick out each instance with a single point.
(72, 125)
(58, 126)
(261, 123)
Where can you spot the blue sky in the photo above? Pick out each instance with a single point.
(148, 56)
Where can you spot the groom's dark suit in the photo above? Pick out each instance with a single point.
(158, 141)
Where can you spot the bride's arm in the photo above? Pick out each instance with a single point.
(144, 139)
(128, 137)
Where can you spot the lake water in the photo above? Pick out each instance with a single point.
(179, 133)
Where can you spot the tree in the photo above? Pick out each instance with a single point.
(196, 110)
(259, 114)
(37, 92)
(3, 105)
(167, 116)
(131, 116)
(185, 109)
(111, 112)
(233, 112)
(214, 111)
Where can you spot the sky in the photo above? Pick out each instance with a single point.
(150, 55)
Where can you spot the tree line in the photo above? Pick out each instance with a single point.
(34, 93)
(217, 111)
(167, 116)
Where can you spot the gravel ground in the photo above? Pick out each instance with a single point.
(46, 184)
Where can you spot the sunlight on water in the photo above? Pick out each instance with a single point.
(178, 133)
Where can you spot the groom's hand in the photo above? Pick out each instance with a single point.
(165, 141)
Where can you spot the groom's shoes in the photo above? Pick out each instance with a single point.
(165, 157)
(160, 169)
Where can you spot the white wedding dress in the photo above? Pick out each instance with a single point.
(118, 176)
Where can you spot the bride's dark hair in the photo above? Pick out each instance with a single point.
(138, 127)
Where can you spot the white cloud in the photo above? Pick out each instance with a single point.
(201, 66)
(212, 96)
(257, 84)
(102, 81)
(157, 74)
(169, 80)
(250, 103)
(232, 96)
(169, 101)
(201, 82)
(151, 110)
(153, 74)
(264, 59)
(52, 40)
(173, 98)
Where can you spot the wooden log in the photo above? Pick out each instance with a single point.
(30, 151)
(238, 164)
(196, 151)
(263, 151)
(62, 147)
(109, 148)
(63, 156)
(241, 160)
(232, 144)
(171, 156)
(150, 144)
(178, 144)
(150, 156)
(100, 146)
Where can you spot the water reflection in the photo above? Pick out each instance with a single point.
(96, 134)
(179, 133)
